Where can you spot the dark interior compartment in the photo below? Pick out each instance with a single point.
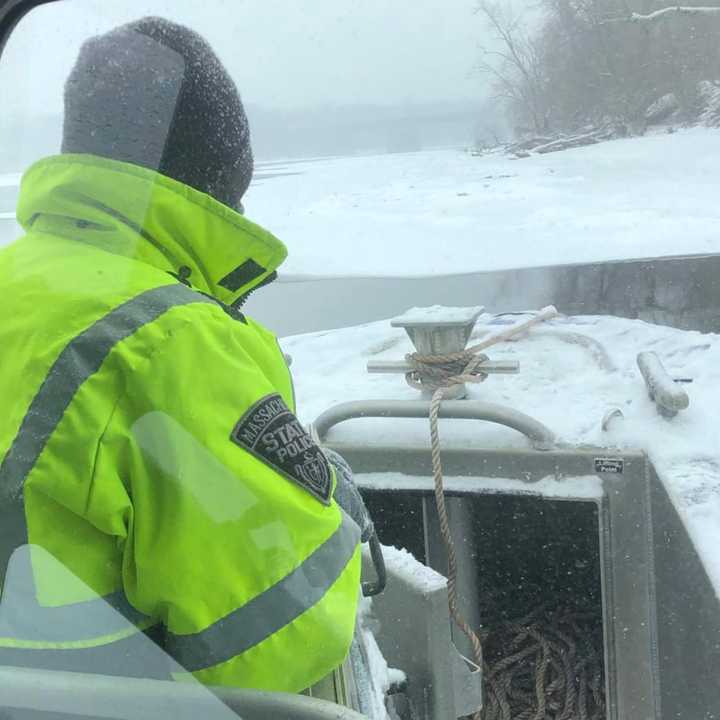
(536, 563)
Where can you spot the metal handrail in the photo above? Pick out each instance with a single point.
(82, 695)
(540, 435)
(375, 587)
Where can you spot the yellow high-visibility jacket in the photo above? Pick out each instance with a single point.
(148, 441)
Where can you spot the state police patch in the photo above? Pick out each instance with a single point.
(270, 431)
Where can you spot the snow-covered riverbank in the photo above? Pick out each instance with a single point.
(446, 211)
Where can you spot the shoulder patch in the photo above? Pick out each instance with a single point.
(271, 432)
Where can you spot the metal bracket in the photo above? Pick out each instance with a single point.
(415, 636)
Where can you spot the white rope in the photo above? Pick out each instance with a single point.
(470, 360)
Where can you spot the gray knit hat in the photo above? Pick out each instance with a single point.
(154, 93)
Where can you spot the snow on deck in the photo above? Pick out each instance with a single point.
(423, 578)
(587, 487)
(446, 211)
(566, 385)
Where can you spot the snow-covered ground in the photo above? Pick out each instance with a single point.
(566, 385)
(446, 211)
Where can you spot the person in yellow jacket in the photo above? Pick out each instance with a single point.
(148, 442)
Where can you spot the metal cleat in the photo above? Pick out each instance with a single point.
(440, 330)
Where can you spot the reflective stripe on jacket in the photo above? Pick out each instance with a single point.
(125, 391)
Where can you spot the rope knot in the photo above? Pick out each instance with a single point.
(432, 372)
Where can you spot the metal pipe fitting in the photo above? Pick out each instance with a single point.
(669, 397)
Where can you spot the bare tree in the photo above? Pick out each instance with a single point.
(515, 65)
(603, 63)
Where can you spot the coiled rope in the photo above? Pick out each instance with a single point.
(440, 373)
(545, 666)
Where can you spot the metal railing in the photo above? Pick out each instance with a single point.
(541, 437)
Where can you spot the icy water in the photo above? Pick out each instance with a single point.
(9, 230)
(448, 212)
(8, 197)
(369, 237)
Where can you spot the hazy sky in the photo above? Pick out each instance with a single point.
(282, 53)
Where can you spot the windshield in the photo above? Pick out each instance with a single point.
(335, 331)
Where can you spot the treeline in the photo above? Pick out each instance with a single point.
(570, 64)
(298, 132)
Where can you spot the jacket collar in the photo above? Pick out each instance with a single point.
(139, 213)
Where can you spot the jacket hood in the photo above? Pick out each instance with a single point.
(136, 212)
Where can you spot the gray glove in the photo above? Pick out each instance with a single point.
(348, 496)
